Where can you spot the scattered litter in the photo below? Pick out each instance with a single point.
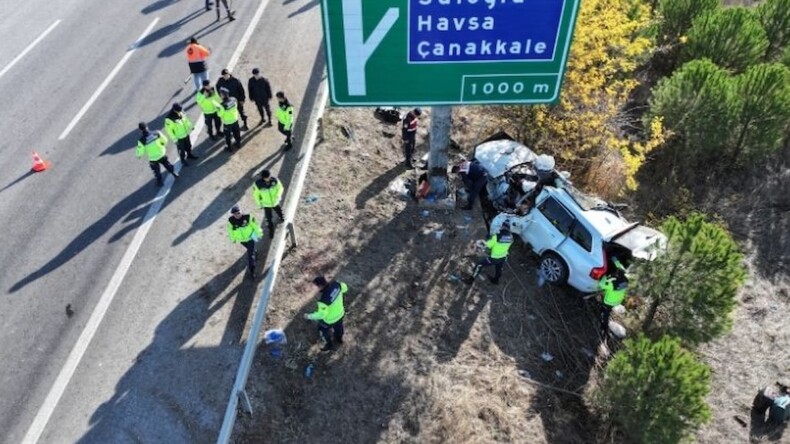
(524, 374)
(425, 213)
(541, 278)
(309, 371)
(310, 199)
(619, 309)
(558, 374)
(546, 356)
(275, 338)
(453, 278)
(617, 329)
(347, 132)
(531, 317)
(480, 245)
(388, 134)
(587, 352)
(467, 219)
(438, 234)
(398, 186)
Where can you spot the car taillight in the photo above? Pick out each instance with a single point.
(598, 272)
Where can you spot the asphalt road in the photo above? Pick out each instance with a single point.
(161, 364)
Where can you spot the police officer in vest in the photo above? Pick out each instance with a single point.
(330, 312)
(208, 98)
(154, 146)
(267, 193)
(285, 118)
(178, 126)
(499, 244)
(614, 287)
(243, 229)
(229, 114)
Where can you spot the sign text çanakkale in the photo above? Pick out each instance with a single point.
(431, 52)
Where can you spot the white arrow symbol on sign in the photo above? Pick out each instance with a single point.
(358, 50)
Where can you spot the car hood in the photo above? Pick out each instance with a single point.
(498, 156)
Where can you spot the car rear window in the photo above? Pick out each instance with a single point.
(557, 215)
(581, 236)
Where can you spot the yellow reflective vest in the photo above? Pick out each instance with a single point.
(178, 128)
(499, 244)
(153, 145)
(228, 111)
(612, 295)
(285, 115)
(330, 303)
(243, 229)
(267, 195)
(208, 103)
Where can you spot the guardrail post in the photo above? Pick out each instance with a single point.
(292, 234)
(245, 402)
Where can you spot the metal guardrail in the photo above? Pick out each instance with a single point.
(239, 394)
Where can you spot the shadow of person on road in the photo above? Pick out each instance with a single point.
(304, 8)
(174, 389)
(170, 29)
(180, 46)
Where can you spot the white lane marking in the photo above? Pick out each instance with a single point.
(56, 392)
(29, 48)
(107, 81)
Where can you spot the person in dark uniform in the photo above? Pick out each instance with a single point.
(236, 90)
(474, 177)
(409, 134)
(261, 93)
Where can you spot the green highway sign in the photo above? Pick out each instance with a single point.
(446, 52)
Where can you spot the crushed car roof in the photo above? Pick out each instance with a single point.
(498, 156)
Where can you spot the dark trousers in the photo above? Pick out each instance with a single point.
(474, 187)
(264, 106)
(213, 119)
(250, 246)
(184, 147)
(236, 131)
(267, 212)
(324, 329)
(497, 263)
(287, 134)
(224, 2)
(408, 146)
(242, 114)
(157, 171)
(606, 311)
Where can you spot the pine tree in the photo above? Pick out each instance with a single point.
(733, 38)
(654, 392)
(676, 16)
(692, 287)
(775, 18)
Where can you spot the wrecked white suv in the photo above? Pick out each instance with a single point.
(575, 235)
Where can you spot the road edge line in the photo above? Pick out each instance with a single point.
(29, 48)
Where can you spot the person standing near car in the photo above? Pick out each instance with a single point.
(474, 177)
(261, 93)
(499, 246)
(614, 287)
(236, 90)
(409, 135)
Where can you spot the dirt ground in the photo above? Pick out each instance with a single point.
(429, 359)
(426, 357)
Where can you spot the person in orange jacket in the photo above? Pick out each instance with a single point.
(197, 58)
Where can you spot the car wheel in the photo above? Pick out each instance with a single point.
(553, 269)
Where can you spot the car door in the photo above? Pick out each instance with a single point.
(550, 225)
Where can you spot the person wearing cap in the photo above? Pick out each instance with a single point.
(409, 134)
(474, 177)
(236, 90)
(197, 58)
(229, 114)
(261, 93)
(208, 99)
(285, 118)
(154, 146)
(330, 311)
(499, 245)
(178, 126)
(243, 229)
(267, 193)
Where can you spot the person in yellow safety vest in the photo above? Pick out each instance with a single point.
(330, 311)
(499, 244)
(154, 146)
(178, 126)
(267, 193)
(228, 111)
(207, 98)
(614, 287)
(243, 229)
(285, 118)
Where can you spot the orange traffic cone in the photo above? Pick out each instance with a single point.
(38, 163)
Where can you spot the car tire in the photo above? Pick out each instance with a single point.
(553, 268)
